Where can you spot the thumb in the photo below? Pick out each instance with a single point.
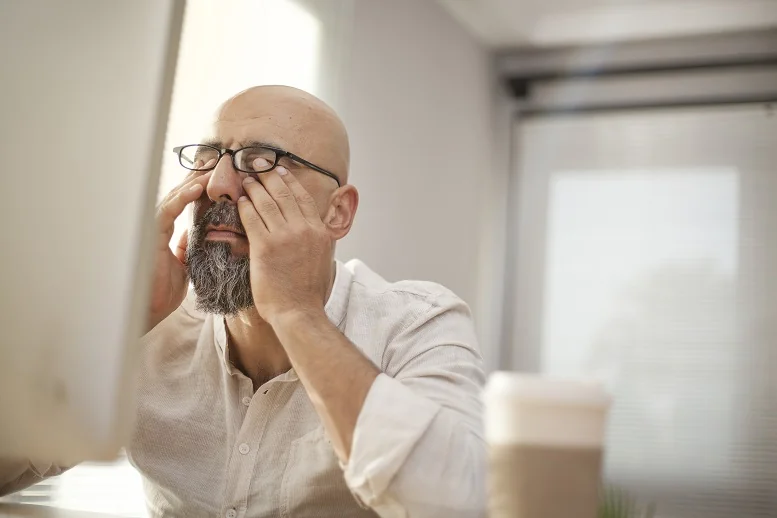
(180, 249)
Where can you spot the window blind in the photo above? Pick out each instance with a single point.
(646, 257)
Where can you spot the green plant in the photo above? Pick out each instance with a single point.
(618, 503)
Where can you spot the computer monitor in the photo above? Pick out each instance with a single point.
(84, 102)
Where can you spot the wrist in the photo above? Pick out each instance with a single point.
(291, 318)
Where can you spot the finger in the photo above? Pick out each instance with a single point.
(195, 177)
(200, 168)
(305, 202)
(250, 219)
(280, 192)
(264, 204)
(192, 172)
(174, 204)
(191, 178)
(180, 249)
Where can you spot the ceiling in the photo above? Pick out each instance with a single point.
(550, 23)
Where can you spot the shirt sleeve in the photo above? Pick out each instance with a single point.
(16, 475)
(418, 447)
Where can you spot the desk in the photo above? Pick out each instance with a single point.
(42, 511)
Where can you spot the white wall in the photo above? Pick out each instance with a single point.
(416, 98)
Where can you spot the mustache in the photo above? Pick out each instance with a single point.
(220, 213)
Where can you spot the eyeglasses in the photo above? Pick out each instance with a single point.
(243, 159)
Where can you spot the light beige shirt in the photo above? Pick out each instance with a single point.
(208, 445)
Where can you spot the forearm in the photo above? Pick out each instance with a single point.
(335, 374)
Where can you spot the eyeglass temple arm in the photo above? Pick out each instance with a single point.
(177, 150)
(313, 166)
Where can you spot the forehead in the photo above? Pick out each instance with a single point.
(286, 118)
(281, 122)
(234, 135)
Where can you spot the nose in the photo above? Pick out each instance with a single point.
(226, 183)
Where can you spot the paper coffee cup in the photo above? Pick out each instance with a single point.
(545, 438)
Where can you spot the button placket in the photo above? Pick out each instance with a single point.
(246, 449)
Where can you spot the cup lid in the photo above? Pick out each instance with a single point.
(538, 410)
(535, 387)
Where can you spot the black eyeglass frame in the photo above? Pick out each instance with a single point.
(279, 153)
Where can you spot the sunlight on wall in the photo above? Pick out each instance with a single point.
(226, 47)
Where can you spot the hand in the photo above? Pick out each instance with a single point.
(170, 278)
(290, 248)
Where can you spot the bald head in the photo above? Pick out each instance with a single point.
(294, 121)
(266, 116)
(288, 118)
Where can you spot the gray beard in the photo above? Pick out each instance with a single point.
(221, 281)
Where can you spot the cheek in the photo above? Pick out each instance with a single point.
(322, 202)
(319, 192)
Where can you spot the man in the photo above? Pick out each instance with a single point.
(286, 383)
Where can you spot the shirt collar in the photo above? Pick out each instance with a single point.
(336, 309)
(336, 306)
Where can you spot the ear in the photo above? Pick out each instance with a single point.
(342, 209)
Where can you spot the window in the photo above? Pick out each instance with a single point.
(646, 245)
(647, 301)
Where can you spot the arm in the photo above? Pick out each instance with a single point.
(16, 475)
(316, 349)
(410, 438)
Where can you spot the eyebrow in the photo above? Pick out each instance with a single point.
(220, 145)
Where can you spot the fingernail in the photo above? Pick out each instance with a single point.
(249, 179)
(209, 162)
(243, 198)
(281, 170)
(259, 163)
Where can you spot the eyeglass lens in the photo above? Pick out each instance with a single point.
(248, 159)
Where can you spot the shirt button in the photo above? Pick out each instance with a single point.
(246, 401)
(243, 448)
(231, 513)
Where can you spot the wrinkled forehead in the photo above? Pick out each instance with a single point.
(279, 125)
(286, 118)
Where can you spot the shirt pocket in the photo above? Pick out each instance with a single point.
(313, 484)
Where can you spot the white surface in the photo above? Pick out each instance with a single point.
(84, 104)
(115, 488)
(647, 259)
(514, 23)
(529, 409)
(40, 511)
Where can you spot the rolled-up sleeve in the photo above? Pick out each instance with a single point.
(418, 447)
